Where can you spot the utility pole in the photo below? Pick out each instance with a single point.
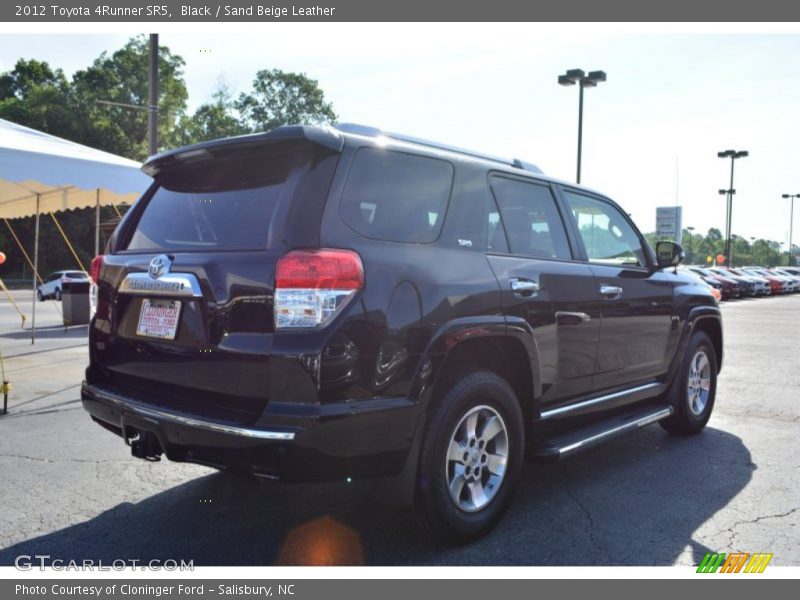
(152, 125)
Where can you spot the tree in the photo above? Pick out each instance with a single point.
(280, 98)
(212, 120)
(124, 77)
(35, 95)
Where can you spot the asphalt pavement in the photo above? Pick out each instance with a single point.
(71, 489)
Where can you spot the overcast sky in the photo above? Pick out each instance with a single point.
(651, 132)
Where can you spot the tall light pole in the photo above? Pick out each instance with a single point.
(733, 155)
(690, 251)
(728, 203)
(583, 80)
(791, 219)
(152, 122)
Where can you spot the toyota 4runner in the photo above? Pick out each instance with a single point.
(342, 303)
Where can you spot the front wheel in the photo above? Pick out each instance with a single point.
(40, 295)
(471, 459)
(694, 388)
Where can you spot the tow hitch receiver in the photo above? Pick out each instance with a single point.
(143, 444)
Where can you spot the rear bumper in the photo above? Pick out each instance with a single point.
(324, 444)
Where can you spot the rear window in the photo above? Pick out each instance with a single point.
(76, 275)
(221, 203)
(395, 196)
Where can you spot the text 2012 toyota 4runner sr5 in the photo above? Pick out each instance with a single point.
(320, 303)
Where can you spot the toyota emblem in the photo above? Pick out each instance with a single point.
(158, 266)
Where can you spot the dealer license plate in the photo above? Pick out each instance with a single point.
(159, 319)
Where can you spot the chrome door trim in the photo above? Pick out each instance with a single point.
(549, 414)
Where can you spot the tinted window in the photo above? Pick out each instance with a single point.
(396, 197)
(496, 235)
(531, 221)
(606, 233)
(216, 204)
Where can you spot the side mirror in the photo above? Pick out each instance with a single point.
(669, 254)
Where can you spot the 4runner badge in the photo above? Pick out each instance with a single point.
(158, 266)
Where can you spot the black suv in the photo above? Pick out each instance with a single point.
(342, 303)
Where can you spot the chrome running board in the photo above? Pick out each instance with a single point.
(584, 438)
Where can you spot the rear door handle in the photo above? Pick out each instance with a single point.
(610, 291)
(523, 287)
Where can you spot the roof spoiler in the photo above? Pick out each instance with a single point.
(326, 137)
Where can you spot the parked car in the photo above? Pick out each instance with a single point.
(728, 287)
(53, 284)
(792, 270)
(714, 286)
(779, 285)
(747, 286)
(709, 280)
(793, 278)
(327, 304)
(762, 286)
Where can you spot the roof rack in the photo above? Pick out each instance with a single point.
(368, 131)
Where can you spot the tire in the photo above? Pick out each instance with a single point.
(485, 402)
(57, 295)
(40, 295)
(694, 389)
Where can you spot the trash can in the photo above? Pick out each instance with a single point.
(75, 302)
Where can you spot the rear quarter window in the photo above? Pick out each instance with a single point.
(395, 196)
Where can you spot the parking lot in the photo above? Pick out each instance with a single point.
(71, 490)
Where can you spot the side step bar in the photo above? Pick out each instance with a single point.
(560, 446)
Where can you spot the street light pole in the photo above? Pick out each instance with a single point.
(729, 193)
(583, 80)
(791, 220)
(733, 155)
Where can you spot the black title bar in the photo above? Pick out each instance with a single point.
(238, 11)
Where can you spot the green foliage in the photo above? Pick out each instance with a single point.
(217, 119)
(123, 77)
(37, 95)
(699, 247)
(600, 242)
(280, 98)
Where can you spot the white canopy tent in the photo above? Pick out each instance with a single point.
(42, 173)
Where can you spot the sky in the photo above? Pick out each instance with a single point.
(673, 98)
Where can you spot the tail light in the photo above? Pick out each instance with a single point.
(313, 286)
(99, 304)
(94, 267)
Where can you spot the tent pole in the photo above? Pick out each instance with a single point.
(35, 272)
(97, 225)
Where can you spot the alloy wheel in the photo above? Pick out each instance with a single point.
(477, 458)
